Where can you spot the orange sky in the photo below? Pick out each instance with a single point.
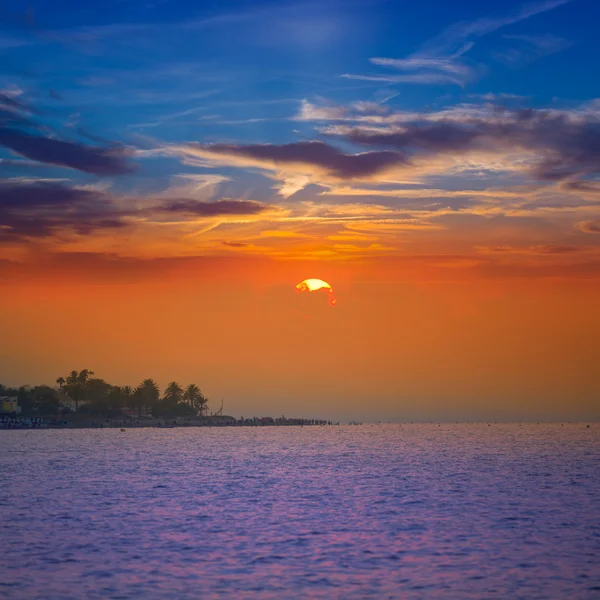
(412, 339)
(158, 209)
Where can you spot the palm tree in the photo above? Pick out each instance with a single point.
(75, 385)
(173, 393)
(61, 382)
(195, 398)
(137, 400)
(127, 393)
(115, 399)
(151, 388)
(72, 378)
(147, 394)
(84, 375)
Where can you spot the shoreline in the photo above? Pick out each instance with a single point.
(15, 422)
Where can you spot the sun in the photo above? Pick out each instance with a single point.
(315, 285)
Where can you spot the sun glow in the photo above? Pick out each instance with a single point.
(314, 285)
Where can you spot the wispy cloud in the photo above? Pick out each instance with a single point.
(530, 48)
(442, 59)
(456, 36)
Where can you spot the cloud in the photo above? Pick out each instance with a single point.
(29, 194)
(563, 144)
(455, 36)
(530, 49)
(312, 112)
(590, 226)
(235, 244)
(42, 209)
(212, 209)
(441, 59)
(34, 209)
(422, 78)
(540, 250)
(421, 193)
(99, 161)
(13, 112)
(298, 155)
(425, 68)
(15, 127)
(292, 184)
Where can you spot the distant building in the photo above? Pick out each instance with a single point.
(9, 404)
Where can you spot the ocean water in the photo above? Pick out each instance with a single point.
(411, 511)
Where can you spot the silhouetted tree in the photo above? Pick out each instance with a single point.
(115, 400)
(75, 386)
(173, 393)
(195, 398)
(102, 398)
(147, 395)
(127, 397)
(46, 400)
(97, 394)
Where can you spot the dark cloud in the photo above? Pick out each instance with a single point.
(235, 244)
(16, 128)
(591, 226)
(24, 196)
(314, 153)
(567, 145)
(213, 209)
(583, 186)
(99, 161)
(37, 209)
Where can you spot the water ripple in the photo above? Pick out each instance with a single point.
(418, 511)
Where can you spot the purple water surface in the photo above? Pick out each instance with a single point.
(413, 511)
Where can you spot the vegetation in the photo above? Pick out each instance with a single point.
(81, 392)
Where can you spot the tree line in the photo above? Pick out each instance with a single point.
(86, 394)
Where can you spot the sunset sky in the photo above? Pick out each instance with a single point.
(171, 170)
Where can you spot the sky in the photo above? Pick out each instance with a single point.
(169, 171)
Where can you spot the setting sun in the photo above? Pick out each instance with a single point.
(314, 285)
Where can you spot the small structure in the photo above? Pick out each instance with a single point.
(218, 420)
(9, 405)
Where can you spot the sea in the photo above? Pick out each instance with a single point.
(455, 511)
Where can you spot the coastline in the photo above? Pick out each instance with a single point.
(12, 422)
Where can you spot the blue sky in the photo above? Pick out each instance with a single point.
(148, 96)
(123, 64)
